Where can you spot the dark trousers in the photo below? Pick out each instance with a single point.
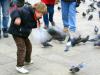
(49, 16)
(24, 50)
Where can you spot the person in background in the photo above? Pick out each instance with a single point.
(69, 14)
(69, 19)
(49, 16)
(20, 3)
(4, 5)
(17, 3)
(22, 21)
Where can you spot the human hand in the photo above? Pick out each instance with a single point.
(17, 21)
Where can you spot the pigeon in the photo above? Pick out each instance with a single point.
(75, 41)
(57, 35)
(99, 14)
(97, 43)
(90, 17)
(95, 39)
(98, 4)
(76, 68)
(88, 11)
(96, 29)
(83, 14)
(46, 45)
(72, 42)
(91, 5)
(59, 8)
(84, 40)
(83, 1)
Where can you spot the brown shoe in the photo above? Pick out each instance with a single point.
(65, 29)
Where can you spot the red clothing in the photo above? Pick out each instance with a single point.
(52, 2)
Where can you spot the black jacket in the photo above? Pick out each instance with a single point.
(28, 21)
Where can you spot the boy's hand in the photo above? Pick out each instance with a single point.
(17, 21)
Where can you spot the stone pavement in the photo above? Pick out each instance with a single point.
(54, 61)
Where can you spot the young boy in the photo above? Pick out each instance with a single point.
(22, 21)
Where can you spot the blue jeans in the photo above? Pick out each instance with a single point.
(4, 4)
(49, 16)
(69, 15)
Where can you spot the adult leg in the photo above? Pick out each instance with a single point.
(65, 11)
(72, 16)
(5, 11)
(46, 19)
(51, 14)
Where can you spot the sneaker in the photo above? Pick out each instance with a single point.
(22, 70)
(28, 63)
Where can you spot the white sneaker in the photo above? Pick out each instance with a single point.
(28, 63)
(22, 70)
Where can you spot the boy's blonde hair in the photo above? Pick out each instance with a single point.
(41, 7)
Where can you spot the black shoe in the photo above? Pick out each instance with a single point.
(53, 23)
(84, 40)
(5, 35)
(46, 45)
(5, 32)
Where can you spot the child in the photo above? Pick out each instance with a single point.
(22, 21)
